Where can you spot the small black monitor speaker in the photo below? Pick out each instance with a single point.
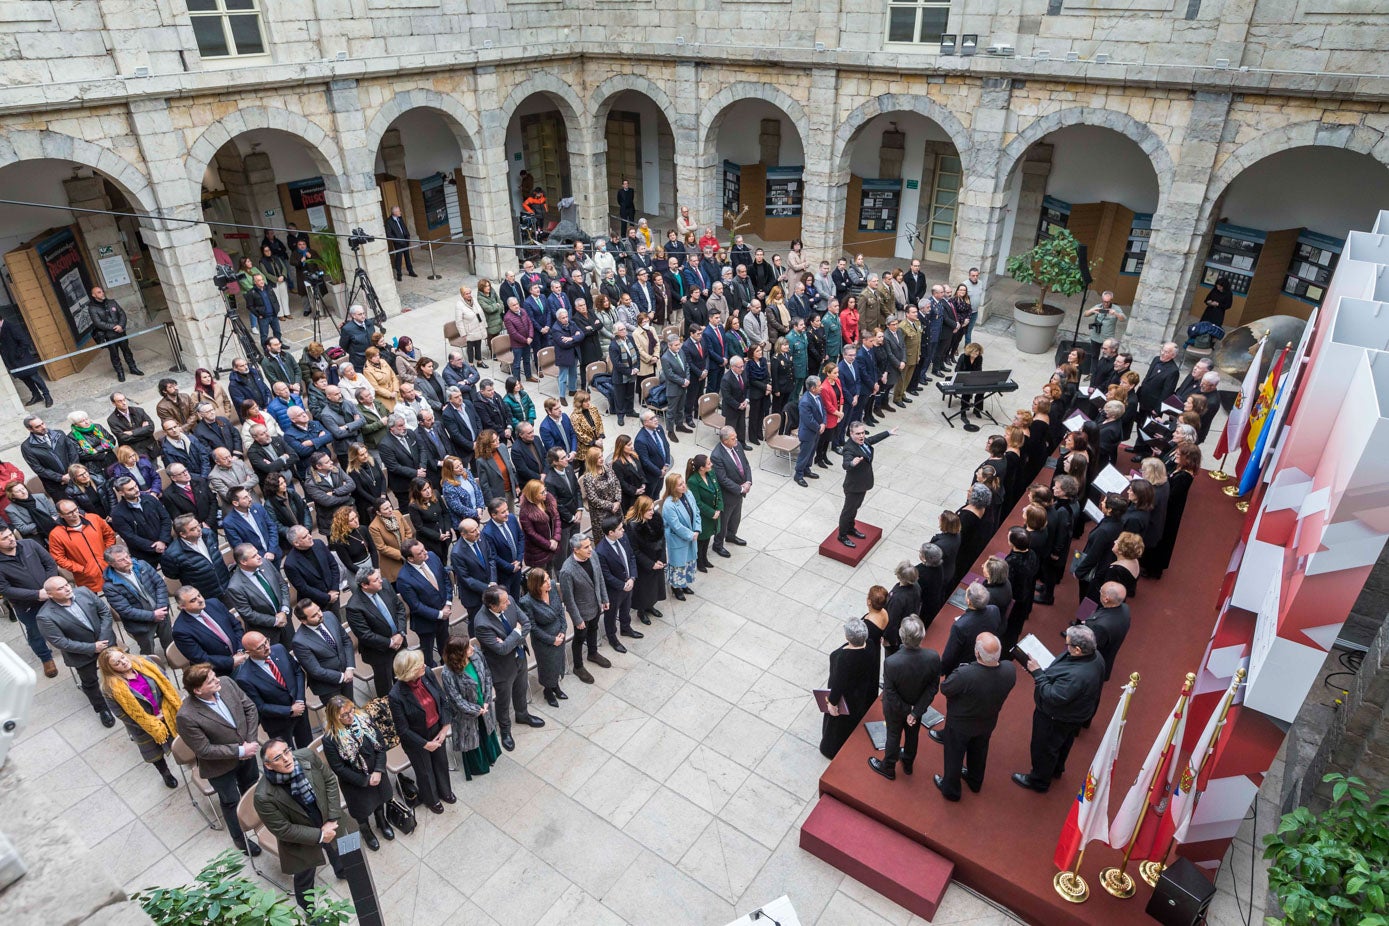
(1083, 262)
(1182, 896)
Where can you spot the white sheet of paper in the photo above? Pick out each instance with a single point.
(1111, 480)
(1075, 422)
(1092, 511)
(1037, 650)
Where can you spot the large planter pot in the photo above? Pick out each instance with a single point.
(1035, 333)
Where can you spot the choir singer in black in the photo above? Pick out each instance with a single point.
(974, 696)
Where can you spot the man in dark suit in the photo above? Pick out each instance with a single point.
(141, 521)
(17, 350)
(24, 566)
(716, 350)
(132, 425)
(398, 238)
(259, 595)
(194, 559)
(915, 282)
(626, 206)
(848, 384)
(215, 430)
(734, 473)
(858, 477)
(275, 683)
(313, 570)
(501, 629)
(974, 696)
(910, 679)
(1099, 544)
(49, 454)
(433, 444)
(324, 652)
(653, 452)
(733, 398)
(561, 482)
(473, 566)
(527, 454)
(618, 562)
(205, 631)
(78, 624)
(1159, 382)
(403, 459)
(811, 424)
(1102, 371)
(1066, 695)
(248, 522)
(460, 423)
(1110, 624)
(377, 618)
(979, 617)
(428, 591)
(696, 363)
(503, 529)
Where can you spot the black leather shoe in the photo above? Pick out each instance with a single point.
(601, 662)
(170, 781)
(48, 401)
(370, 839)
(882, 768)
(383, 825)
(847, 542)
(252, 849)
(634, 634)
(812, 475)
(644, 618)
(964, 776)
(737, 541)
(120, 376)
(940, 786)
(617, 645)
(411, 273)
(107, 719)
(823, 464)
(685, 429)
(449, 798)
(702, 567)
(35, 400)
(654, 612)
(136, 370)
(858, 533)
(550, 698)
(583, 675)
(723, 551)
(673, 437)
(936, 735)
(531, 720)
(800, 481)
(559, 693)
(436, 807)
(1022, 781)
(907, 766)
(679, 593)
(507, 742)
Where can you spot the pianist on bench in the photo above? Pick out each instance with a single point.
(971, 360)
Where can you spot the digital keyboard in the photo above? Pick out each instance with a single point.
(953, 389)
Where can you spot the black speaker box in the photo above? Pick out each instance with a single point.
(1083, 261)
(1182, 895)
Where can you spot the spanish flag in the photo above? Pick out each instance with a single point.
(1263, 402)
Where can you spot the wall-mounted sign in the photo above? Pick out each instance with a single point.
(880, 204)
(732, 186)
(436, 208)
(785, 191)
(105, 250)
(913, 184)
(270, 213)
(113, 271)
(309, 196)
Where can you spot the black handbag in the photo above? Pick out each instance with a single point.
(401, 815)
(408, 790)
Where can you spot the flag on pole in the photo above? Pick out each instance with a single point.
(1152, 787)
(1263, 402)
(1274, 388)
(1233, 435)
(1189, 783)
(1089, 816)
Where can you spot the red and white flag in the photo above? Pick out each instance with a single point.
(1089, 816)
(1233, 435)
(1189, 784)
(1152, 788)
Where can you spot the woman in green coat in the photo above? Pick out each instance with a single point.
(490, 301)
(699, 477)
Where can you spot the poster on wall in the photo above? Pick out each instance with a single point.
(784, 192)
(436, 207)
(732, 186)
(67, 271)
(880, 205)
(309, 196)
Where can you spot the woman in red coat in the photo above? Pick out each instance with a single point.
(539, 516)
(832, 395)
(848, 320)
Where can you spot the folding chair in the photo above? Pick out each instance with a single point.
(188, 769)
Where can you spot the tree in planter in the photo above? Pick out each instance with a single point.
(327, 257)
(1333, 869)
(1052, 265)
(219, 896)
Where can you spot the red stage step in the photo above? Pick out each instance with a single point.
(901, 869)
(851, 557)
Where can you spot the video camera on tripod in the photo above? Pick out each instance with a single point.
(358, 238)
(232, 325)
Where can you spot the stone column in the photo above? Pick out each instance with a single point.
(1036, 168)
(588, 171)
(822, 213)
(1175, 257)
(102, 237)
(690, 174)
(489, 196)
(262, 196)
(983, 198)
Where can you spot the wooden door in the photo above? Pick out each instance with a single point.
(624, 155)
(545, 152)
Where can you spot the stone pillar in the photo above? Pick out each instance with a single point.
(102, 237)
(1174, 258)
(588, 170)
(1036, 168)
(690, 174)
(983, 198)
(489, 197)
(665, 168)
(822, 213)
(262, 196)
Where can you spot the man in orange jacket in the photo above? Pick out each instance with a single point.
(78, 542)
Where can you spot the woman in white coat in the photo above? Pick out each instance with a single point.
(471, 322)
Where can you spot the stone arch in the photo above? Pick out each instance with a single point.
(568, 102)
(711, 119)
(600, 102)
(323, 148)
(16, 146)
(920, 104)
(1159, 157)
(456, 116)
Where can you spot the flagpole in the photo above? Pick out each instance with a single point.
(1219, 475)
(1117, 880)
(1152, 869)
(1069, 884)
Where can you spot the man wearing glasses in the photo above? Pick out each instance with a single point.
(299, 802)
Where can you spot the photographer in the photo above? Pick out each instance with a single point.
(1105, 317)
(306, 273)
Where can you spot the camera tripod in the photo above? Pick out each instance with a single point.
(362, 293)
(233, 328)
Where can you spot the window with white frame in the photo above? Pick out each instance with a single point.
(227, 28)
(917, 22)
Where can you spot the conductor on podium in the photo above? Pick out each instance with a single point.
(858, 477)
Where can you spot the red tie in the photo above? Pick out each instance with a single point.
(188, 490)
(280, 679)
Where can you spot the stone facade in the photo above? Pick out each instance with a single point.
(1195, 94)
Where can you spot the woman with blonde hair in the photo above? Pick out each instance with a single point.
(600, 488)
(356, 752)
(1153, 470)
(680, 515)
(138, 692)
(382, 378)
(471, 322)
(352, 542)
(421, 713)
(778, 316)
(588, 423)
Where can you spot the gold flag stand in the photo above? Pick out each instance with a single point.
(1219, 475)
(1150, 871)
(1117, 881)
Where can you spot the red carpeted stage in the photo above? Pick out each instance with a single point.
(1002, 839)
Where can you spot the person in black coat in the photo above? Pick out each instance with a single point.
(1110, 624)
(377, 618)
(647, 534)
(619, 562)
(312, 569)
(1066, 695)
(403, 458)
(904, 599)
(418, 709)
(854, 682)
(930, 581)
(974, 696)
(49, 454)
(275, 683)
(1159, 382)
(563, 484)
(1059, 504)
(979, 617)
(190, 494)
(17, 350)
(356, 752)
(1022, 576)
(1111, 434)
(858, 477)
(24, 566)
(185, 561)
(947, 539)
(527, 454)
(324, 652)
(132, 426)
(1099, 546)
(473, 564)
(911, 677)
(141, 521)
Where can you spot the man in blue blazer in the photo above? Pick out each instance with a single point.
(541, 318)
(619, 564)
(556, 430)
(425, 585)
(313, 570)
(275, 683)
(812, 425)
(867, 369)
(473, 566)
(653, 451)
(206, 632)
(848, 381)
(247, 521)
(503, 529)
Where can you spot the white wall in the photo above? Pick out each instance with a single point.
(430, 145)
(289, 155)
(741, 126)
(864, 162)
(1090, 164)
(1327, 190)
(35, 182)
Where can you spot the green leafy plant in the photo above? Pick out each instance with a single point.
(1051, 266)
(327, 256)
(220, 896)
(1332, 869)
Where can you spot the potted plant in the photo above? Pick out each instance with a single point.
(219, 896)
(328, 258)
(1332, 869)
(1053, 267)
